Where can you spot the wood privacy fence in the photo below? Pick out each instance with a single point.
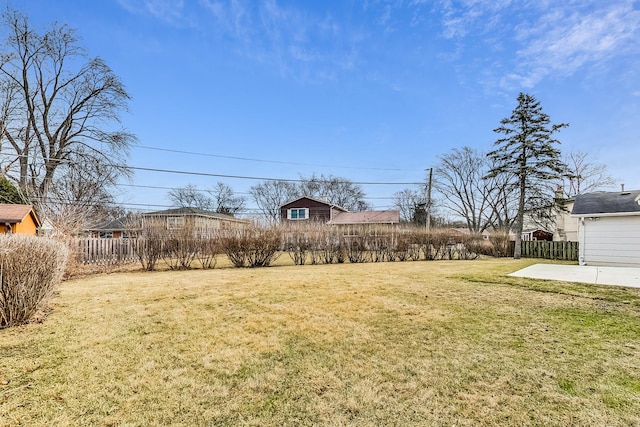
(566, 251)
(105, 251)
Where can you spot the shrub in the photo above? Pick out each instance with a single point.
(30, 269)
(150, 242)
(180, 248)
(500, 242)
(356, 247)
(252, 247)
(297, 243)
(208, 247)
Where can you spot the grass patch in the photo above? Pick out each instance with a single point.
(413, 343)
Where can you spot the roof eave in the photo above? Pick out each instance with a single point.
(599, 214)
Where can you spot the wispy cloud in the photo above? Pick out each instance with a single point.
(564, 41)
(168, 11)
(297, 43)
(539, 40)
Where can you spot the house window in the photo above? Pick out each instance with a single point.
(106, 234)
(175, 222)
(298, 213)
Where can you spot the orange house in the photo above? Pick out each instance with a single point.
(18, 219)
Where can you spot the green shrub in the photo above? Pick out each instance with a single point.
(30, 269)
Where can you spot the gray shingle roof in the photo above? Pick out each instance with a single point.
(607, 203)
(187, 211)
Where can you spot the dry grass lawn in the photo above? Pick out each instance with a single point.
(412, 343)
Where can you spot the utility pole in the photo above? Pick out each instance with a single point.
(429, 199)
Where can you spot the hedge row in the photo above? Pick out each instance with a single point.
(259, 247)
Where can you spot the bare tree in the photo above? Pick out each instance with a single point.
(58, 105)
(459, 179)
(225, 200)
(408, 201)
(81, 196)
(190, 196)
(584, 176)
(270, 195)
(334, 189)
(503, 202)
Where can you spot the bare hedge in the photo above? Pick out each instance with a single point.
(319, 244)
(252, 247)
(30, 269)
(308, 243)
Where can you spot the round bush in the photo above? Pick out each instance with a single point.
(30, 269)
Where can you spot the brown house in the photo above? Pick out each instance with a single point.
(307, 209)
(18, 219)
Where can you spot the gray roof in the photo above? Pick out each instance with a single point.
(607, 203)
(187, 211)
(119, 224)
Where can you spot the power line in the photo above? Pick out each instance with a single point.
(157, 187)
(256, 178)
(282, 162)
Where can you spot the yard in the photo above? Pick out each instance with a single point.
(411, 343)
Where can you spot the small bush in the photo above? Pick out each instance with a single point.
(297, 243)
(150, 243)
(355, 245)
(252, 247)
(30, 269)
(500, 242)
(208, 247)
(180, 248)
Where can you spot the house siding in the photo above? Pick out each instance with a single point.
(566, 225)
(611, 241)
(318, 211)
(26, 226)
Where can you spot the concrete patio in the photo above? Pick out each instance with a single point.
(618, 276)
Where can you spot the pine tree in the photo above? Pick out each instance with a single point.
(8, 192)
(527, 154)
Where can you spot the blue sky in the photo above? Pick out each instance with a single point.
(370, 90)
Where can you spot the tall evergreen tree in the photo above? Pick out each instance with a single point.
(528, 156)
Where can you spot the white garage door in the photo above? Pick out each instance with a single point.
(612, 241)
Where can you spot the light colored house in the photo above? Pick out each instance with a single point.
(551, 223)
(608, 228)
(18, 219)
(199, 219)
(566, 226)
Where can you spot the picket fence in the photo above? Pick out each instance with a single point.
(566, 251)
(105, 251)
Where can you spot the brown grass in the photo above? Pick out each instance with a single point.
(412, 343)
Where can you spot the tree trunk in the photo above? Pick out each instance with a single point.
(517, 250)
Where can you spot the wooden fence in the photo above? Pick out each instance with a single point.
(105, 251)
(566, 251)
